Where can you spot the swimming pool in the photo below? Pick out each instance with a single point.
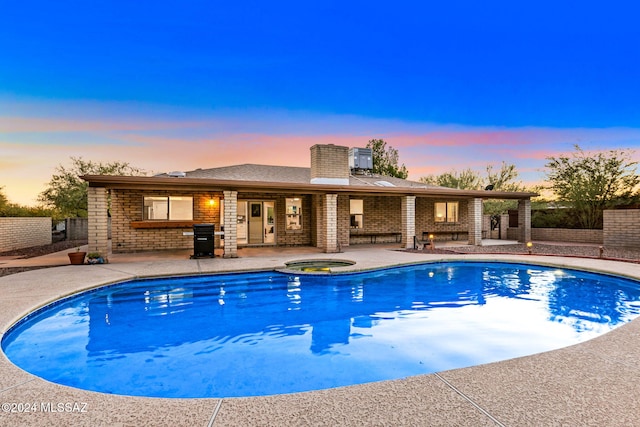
(268, 333)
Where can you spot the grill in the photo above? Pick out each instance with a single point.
(203, 241)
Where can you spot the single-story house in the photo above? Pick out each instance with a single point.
(335, 203)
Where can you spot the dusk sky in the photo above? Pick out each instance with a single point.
(180, 85)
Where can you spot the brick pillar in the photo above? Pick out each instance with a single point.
(524, 220)
(230, 224)
(98, 221)
(408, 221)
(475, 222)
(330, 223)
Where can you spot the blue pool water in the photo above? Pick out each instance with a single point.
(269, 333)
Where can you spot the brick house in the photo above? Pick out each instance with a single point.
(330, 205)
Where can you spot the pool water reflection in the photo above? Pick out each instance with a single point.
(268, 333)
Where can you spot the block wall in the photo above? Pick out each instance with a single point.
(425, 217)
(127, 206)
(380, 215)
(77, 228)
(559, 235)
(621, 228)
(329, 161)
(19, 233)
(286, 237)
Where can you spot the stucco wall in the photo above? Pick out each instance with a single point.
(19, 233)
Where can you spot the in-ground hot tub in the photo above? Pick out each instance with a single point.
(317, 264)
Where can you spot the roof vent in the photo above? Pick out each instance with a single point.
(177, 174)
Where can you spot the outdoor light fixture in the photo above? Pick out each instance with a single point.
(431, 244)
(212, 202)
(530, 247)
(601, 248)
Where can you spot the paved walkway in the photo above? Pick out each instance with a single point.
(593, 383)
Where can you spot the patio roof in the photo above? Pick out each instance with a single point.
(279, 179)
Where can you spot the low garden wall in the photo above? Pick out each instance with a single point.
(77, 228)
(566, 235)
(560, 235)
(622, 228)
(24, 232)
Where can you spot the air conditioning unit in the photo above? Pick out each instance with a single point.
(360, 159)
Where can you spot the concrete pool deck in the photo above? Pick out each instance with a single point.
(593, 383)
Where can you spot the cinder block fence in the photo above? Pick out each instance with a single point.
(19, 233)
(622, 228)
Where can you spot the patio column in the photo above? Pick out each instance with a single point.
(475, 222)
(230, 213)
(328, 235)
(98, 220)
(408, 221)
(524, 220)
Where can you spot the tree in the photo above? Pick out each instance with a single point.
(592, 182)
(67, 192)
(505, 179)
(8, 209)
(385, 160)
(468, 179)
(3, 199)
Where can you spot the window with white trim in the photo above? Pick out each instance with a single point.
(356, 210)
(446, 212)
(168, 208)
(294, 214)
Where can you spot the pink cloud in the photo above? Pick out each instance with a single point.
(162, 144)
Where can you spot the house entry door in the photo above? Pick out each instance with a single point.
(256, 222)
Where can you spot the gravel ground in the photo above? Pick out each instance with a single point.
(38, 251)
(44, 250)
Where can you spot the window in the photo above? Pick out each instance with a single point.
(356, 209)
(447, 212)
(294, 214)
(170, 208)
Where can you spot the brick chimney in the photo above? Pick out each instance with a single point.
(329, 164)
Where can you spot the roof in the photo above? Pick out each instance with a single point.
(265, 178)
(294, 175)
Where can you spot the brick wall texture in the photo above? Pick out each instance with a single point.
(622, 228)
(126, 206)
(566, 235)
(425, 218)
(381, 215)
(329, 161)
(19, 233)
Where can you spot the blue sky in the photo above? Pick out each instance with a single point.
(168, 85)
